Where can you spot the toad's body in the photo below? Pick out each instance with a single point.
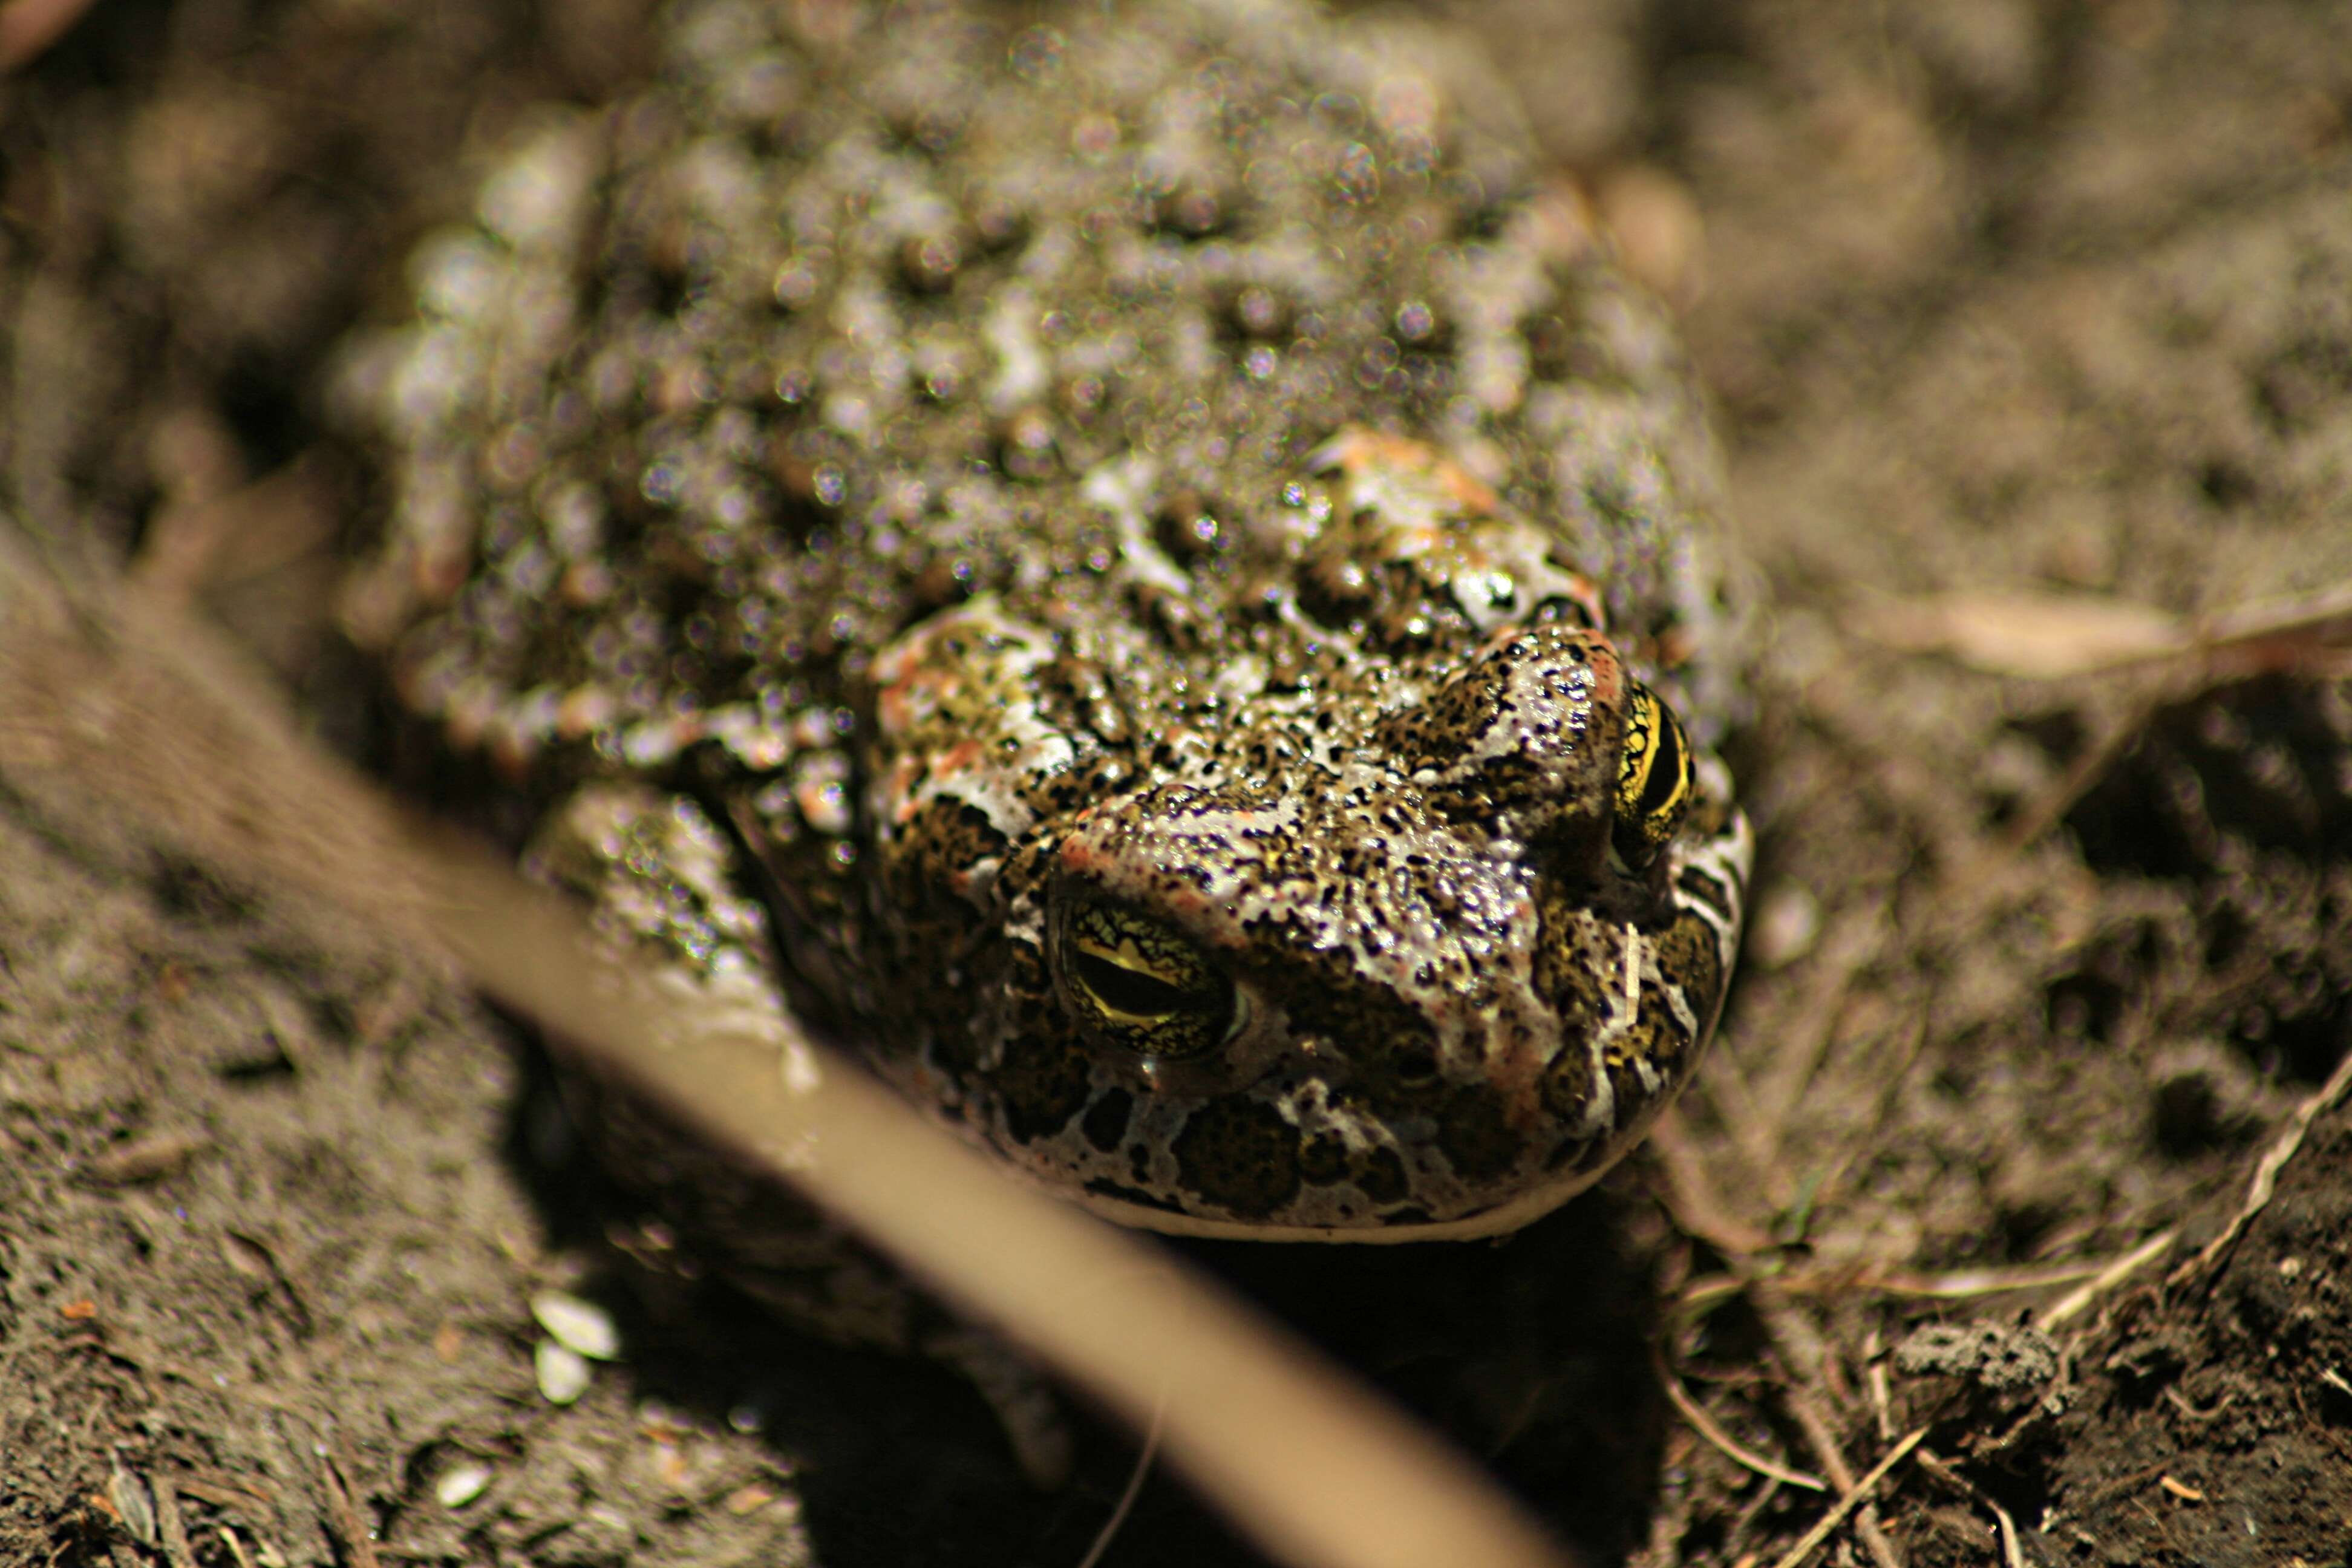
(1138, 570)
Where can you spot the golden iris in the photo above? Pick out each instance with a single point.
(1137, 985)
(1655, 781)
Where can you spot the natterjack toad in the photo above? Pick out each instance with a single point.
(1140, 568)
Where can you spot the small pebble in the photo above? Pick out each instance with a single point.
(1787, 924)
(579, 1326)
(463, 1483)
(563, 1373)
(748, 1499)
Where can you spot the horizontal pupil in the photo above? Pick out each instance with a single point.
(1123, 990)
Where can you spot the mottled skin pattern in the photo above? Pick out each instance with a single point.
(1148, 575)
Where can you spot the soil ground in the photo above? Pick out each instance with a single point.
(2011, 299)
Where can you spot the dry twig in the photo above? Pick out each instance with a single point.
(1854, 1498)
(1816, 1429)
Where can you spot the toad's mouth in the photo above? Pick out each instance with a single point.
(1523, 1208)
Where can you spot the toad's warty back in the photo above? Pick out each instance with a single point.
(1146, 571)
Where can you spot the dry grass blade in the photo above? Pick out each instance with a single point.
(2320, 619)
(1959, 1285)
(2072, 1305)
(121, 697)
(2045, 636)
(2025, 633)
(2266, 1171)
(1824, 1283)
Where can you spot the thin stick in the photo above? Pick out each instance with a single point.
(1880, 1394)
(2012, 1554)
(133, 706)
(1827, 1524)
(1706, 1427)
(1816, 1429)
(2095, 762)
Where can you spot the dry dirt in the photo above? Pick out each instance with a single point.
(2007, 299)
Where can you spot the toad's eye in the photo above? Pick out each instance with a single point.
(1137, 985)
(1653, 780)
